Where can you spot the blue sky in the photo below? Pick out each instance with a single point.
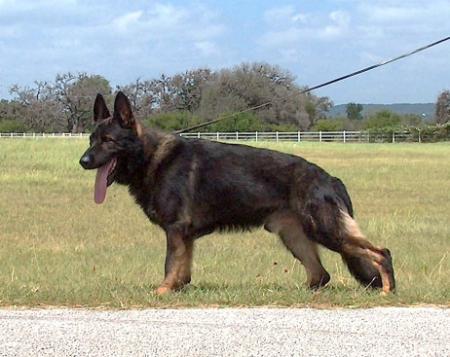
(315, 40)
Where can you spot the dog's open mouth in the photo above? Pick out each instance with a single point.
(104, 178)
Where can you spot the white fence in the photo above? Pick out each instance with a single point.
(297, 136)
(42, 135)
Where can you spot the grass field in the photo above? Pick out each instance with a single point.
(58, 248)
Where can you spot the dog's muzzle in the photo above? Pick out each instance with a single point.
(86, 161)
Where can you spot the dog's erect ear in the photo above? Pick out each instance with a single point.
(122, 111)
(124, 115)
(100, 109)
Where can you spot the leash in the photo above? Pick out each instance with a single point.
(383, 63)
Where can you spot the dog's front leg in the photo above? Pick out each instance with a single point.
(178, 262)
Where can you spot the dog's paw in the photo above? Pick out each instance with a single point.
(163, 290)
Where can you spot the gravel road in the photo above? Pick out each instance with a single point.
(226, 332)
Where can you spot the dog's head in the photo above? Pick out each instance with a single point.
(112, 140)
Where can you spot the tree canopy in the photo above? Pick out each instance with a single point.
(172, 102)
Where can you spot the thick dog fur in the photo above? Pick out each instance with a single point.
(191, 188)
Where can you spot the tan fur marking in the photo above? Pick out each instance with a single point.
(193, 175)
(165, 146)
(138, 128)
(351, 226)
(356, 244)
(186, 211)
(384, 277)
(288, 227)
(163, 290)
(180, 272)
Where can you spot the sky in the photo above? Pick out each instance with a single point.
(316, 40)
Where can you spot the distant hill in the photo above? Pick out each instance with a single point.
(426, 110)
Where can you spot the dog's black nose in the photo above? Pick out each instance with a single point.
(85, 161)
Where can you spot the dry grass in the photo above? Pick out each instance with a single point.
(58, 248)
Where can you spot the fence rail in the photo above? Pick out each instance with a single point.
(297, 136)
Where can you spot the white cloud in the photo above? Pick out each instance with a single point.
(315, 40)
(427, 16)
(279, 16)
(28, 5)
(163, 22)
(117, 40)
(289, 28)
(122, 23)
(339, 26)
(163, 16)
(207, 48)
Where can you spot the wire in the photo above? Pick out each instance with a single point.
(319, 85)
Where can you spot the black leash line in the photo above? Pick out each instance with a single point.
(319, 85)
(379, 64)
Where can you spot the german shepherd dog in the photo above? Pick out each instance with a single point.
(191, 188)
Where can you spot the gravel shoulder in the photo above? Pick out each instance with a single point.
(226, 332)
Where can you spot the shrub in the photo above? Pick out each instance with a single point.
(384, 120)
(170, 121)
(240, 122)
(12, 126)
(328, 125)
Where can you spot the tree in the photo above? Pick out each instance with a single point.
(37, 107)
(143, 96)
(182, 92)
(10, 110)
(443, 107)
(187, 88)
(76, 93)
(383, 120)
(189, 97)
(354, 111)
(249, 85)
(63, 105)
(11, 119)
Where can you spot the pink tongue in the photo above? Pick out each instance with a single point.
(101, 182)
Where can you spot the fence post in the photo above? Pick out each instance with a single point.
(298, 136)
(276, 135)
(256, 136)
(345, 139)
(320, 136)
(393, 137)
(237, 135)
(198, 134)
(420, 139)
(217, 135)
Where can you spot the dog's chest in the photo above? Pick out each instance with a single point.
(144, 199)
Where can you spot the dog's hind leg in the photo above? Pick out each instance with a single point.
(288, 227)
(178, 262)
(369, 264)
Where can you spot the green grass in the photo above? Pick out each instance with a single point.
(58, 248)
